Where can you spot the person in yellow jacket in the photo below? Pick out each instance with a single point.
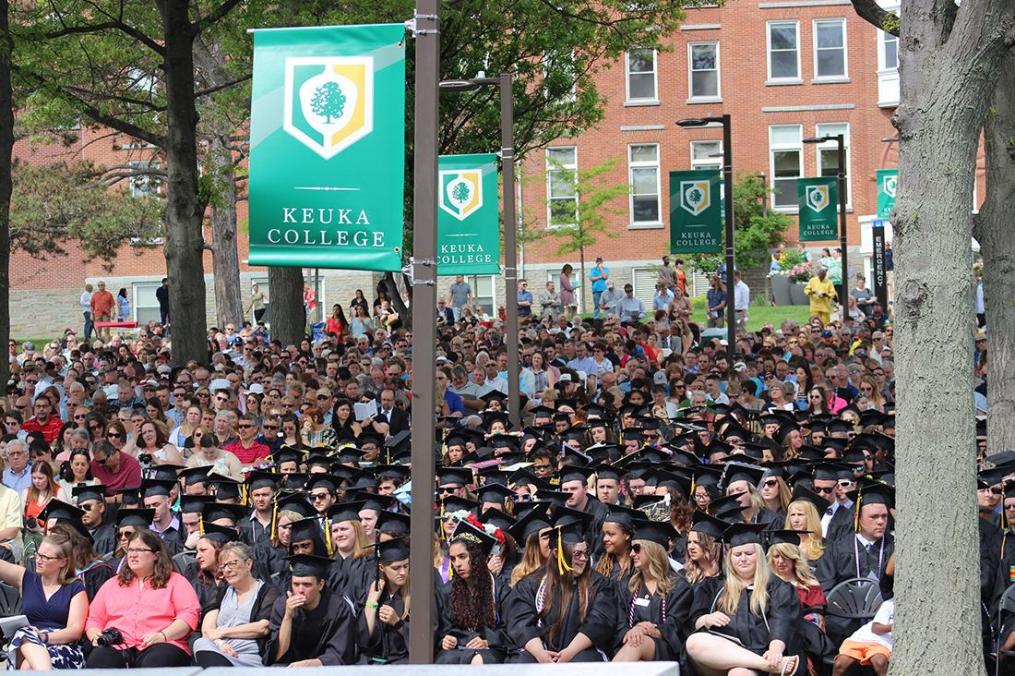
(822, 294)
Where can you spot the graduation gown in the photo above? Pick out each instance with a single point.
(94, 575)
(841, 524)
(496, 636)
(598, 511)
(779, 621)
(327, 633)
(600, 622)
(387, 644)
(352, 577)
(990, 558)
(647, 607)
(847, 558)
(774, 520)
(104, 539)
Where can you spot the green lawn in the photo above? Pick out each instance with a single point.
(761, 313)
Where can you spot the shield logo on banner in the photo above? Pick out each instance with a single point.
(329, 101)
(817, 197)
(461, 193)
(695, 196)
(889, 184)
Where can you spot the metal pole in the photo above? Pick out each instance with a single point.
(841, 175)
(507, 159)
(424, 300)
(727, 176)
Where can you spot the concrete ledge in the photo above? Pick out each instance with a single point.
(579, 669)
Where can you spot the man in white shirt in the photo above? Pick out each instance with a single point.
(86, 310)
(741, 300)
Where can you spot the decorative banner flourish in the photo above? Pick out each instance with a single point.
(888, 183)
(817, 198)
(695, 212)
(327, 148)
(468, 221)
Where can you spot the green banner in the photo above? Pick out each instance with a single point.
(817, 198)
(327, 147)
(888, 182)
(468, 218)
(695, 212)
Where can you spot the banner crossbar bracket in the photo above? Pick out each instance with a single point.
(409, 271)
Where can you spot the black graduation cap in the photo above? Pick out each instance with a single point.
(490, 417)
(195, 475)
(542, 411)
(609, 472)
(213, 511)
(707, 475)
(332, 483)
(165, 472)
(642, 501)
(743, 534)
(393, 550)
(466, 531)
(345, 511)
(84, 492)
(294, 481)
(654, 531)
(871, 416)
(625, 516)
(289, 454)
(830, 471)
(811, 453)
(226, 488)
(296, 502)
(782, 536)
(316, 461)
(349, 455)
(604, 453)
(875, 493)
(708, 524)
(453, 503)
(398, 441)
(194, 504)
(839, 427)
(523, 477)
(151, 488)
(363, 479)
(533, 521)
(308, 565)
(447, 476)
(727, 507)
(260, 479)
(138, 518)
(220, 534)
(631, 434)
(308, 528)
(575, 473)
(61, 511)
(736, 471)
(392, 523)
(494, 492)
(554, 497)
(838, 445)
(801, 492)
(366, 437)
(498, 518)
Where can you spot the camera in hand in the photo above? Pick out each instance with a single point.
(110, 637)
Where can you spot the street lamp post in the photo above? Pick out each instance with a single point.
(507, 158)
(423, 267)
(727, 177)
(840, 176)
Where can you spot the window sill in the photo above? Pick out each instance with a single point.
(636, 103)
(704, 99)
(645, 226)
(830, 80)
(783, 83)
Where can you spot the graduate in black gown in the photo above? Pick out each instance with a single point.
(565, 612)
(310, 625)
(383, 626)
(735, 626)
(471, 628)
(354, 564)
(656, 603)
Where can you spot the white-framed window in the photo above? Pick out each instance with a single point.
(785, 149)
(783, 51)
(560, 77)
(561, 186)
(640, 68)
(144, 184)
(643, 178)
(706, 154)
(484, 291)
(554, 276)
(703, 80)
(830, 49)
(888, 51)
(146, 305)
(828, 154)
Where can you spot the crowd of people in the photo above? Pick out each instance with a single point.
(662, 500)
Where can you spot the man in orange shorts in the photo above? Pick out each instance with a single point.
(870, 644)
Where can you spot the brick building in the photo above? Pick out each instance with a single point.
(783, 69)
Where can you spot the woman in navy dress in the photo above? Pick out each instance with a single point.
(56, 605)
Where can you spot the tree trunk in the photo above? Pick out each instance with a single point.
(285, 306)
(184, 211)
(391, 288)
(947, 66)
(6, 181)
(585, 291)
(228, 303)
(997, 245)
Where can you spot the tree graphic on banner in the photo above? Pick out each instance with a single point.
(328, 101)
(460, 193)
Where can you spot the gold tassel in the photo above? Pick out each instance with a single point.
(561, 563)
(327, 536)
(200, 525)
(274, 517)
(856, 516)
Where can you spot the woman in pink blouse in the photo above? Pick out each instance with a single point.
(153, 609)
